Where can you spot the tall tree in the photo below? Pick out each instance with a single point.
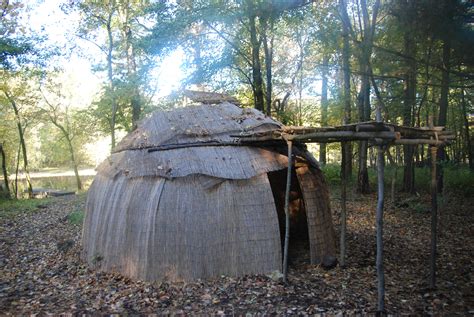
(18, 95)
(56, 106)
(268, 24)
(99, 17)
(444, 94)
(125, 13)
(324, 105)
(117, 29)
(346, 68)
(408, 16)
(366, 29)
(255, 43)
(5, 174)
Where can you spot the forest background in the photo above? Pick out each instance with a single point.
(70, 91)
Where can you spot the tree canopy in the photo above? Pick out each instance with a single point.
(302, 62)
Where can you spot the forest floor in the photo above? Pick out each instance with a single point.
(41, 271)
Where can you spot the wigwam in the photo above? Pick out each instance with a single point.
(180, 199)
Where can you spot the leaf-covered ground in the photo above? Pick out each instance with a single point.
(41, 271)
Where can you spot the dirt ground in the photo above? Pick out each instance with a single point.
(41, 272)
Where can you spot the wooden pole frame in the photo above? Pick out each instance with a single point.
(287, 212)
(379, 228)
(434, 217)
(379, 218)
(342, 248)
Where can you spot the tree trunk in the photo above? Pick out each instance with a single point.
(135, 99)
(68, 138)
(268, 50)
(443, 103)
(364, 94)
(256, 66)
(299, 77)
(5, 172)
(409, 94)
(393, 180)
(22, 143)
(74, 163)
(469, 149)
(347, 85)
(324, 106)
(346, 148)
(111, 80)
(363, 102)
(17, 168)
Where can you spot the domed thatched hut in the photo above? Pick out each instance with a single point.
(177, 201)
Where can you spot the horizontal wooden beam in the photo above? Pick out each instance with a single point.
(338, 136)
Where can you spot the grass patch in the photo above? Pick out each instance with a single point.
(12, 207)
(76, 217)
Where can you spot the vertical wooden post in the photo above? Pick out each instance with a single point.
(379, 225)
(434, 216)
(342, 255)
(287, 212)
(379, 219)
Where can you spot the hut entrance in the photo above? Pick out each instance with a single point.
(299, 239)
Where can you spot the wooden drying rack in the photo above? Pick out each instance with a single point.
(377, 133)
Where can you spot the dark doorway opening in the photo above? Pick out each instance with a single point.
(299, 239)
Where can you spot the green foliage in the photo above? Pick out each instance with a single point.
(54, 150)
(65, 127)
(11, 45)
(458, 179)
(76, 217)
(131, 37)
(11, 207)
(332, 173)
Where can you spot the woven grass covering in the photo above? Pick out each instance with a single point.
(230, 162)
(154, 229)
(322, 238)
(197, 212)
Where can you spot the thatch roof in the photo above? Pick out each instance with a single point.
(195, 125)
(204, 123)
(190, 211)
